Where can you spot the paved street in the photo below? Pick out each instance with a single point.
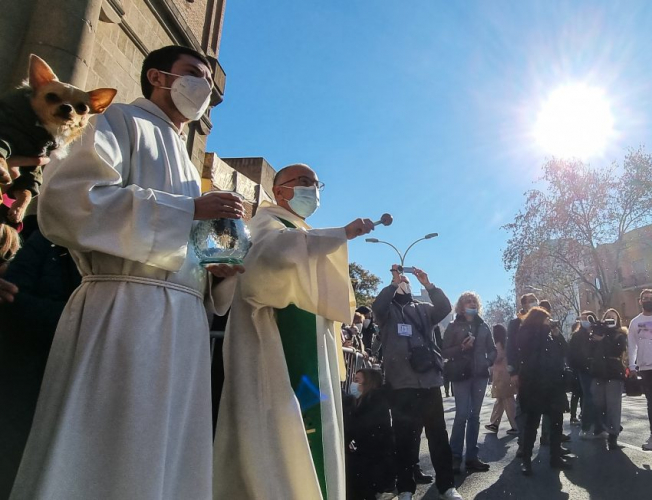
(597, 473)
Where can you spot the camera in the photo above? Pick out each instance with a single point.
(600, 327)
(404, 270)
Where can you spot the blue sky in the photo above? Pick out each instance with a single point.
(424, 109)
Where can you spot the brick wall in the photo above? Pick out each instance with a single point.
(120, 49)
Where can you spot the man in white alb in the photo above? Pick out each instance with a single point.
(125, 407)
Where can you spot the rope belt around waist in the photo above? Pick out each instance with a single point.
(93, 278)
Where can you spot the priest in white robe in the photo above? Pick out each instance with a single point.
(125, 406)
(279, 432)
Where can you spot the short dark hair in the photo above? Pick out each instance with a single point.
(163, 59)
(546, 305)
(279, 174)
(647, 290)
(526, 296)
(500, 334)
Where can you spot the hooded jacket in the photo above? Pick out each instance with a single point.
(607, 354)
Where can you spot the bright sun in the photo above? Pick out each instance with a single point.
(575, 121)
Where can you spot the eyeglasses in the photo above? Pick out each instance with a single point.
(307, 182)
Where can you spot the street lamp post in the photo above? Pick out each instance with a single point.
(402, 256)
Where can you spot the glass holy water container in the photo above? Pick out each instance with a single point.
(220, 241)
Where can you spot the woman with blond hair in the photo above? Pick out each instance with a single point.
(469, 347)
(541, 388)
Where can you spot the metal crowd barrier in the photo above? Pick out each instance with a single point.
(353, 361)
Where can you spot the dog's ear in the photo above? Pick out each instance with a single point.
(39, 72)
(100, 99)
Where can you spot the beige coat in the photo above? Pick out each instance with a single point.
(501, 386)
(261, 446)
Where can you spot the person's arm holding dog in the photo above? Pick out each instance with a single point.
(25, 172)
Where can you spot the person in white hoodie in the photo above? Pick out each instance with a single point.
(640, 352)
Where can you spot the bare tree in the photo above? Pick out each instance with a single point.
(499, 311)
(578, 209)
(550, 279)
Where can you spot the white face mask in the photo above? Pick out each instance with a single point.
(190, 94)
(366, 322)
(305, 201)
(404, 288)
(354, 389)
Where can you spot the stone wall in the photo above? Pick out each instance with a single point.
(219, 175)
(111, 52)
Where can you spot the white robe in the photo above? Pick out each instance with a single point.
(261, 448)
(125, 407)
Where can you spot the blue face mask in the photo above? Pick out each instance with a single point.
(471, 312)
(305, 201)
(354, 390)
(585, 324)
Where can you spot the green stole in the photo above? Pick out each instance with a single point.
(298, 330)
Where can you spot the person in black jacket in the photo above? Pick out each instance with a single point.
(45, 276)
(541, 384)
(579, 359)
(369, 441)
(528, 301)
(608, 342)
(369, 328)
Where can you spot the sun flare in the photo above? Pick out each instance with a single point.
(575, 121)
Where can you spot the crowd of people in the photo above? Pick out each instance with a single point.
(105, 364)
(532, 368)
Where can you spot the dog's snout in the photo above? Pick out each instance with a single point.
(66, 109)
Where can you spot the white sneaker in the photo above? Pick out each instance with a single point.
(385, 496)
(647, 446)
(406, 495)
(450, 494)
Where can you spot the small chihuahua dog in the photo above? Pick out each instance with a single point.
(42, 117)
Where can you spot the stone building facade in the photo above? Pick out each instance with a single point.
(250, 177)
(102, 43)
(627, 264)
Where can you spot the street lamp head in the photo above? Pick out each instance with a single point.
(371, 240)
(431, 235)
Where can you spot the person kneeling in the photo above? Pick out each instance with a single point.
(369, 439)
